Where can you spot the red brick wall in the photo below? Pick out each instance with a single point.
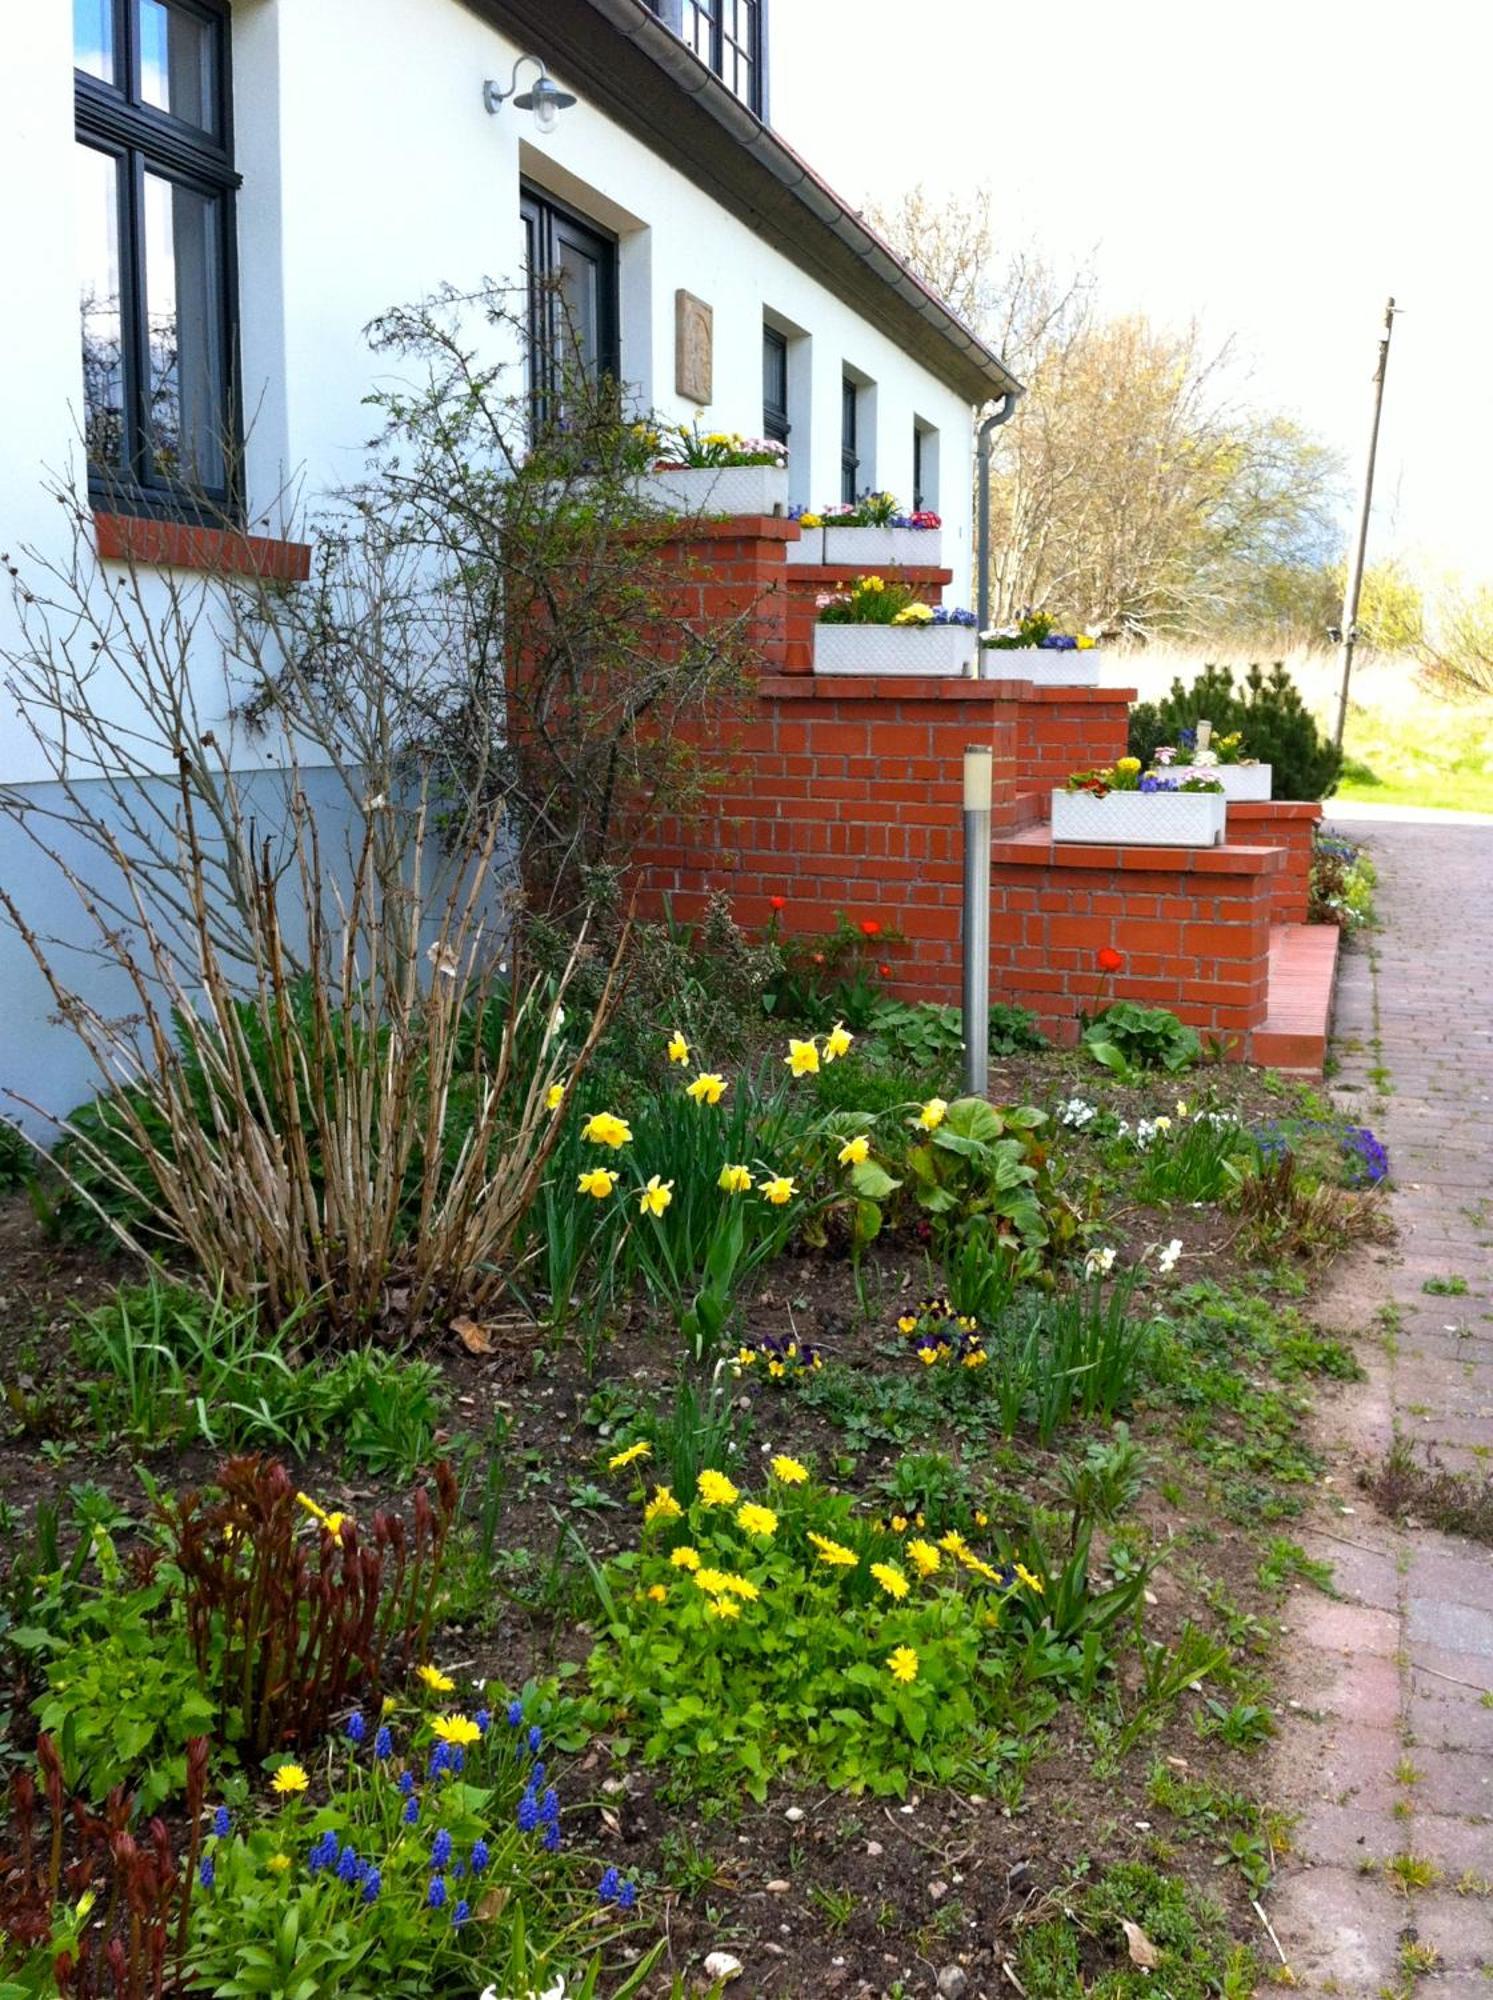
(1193, 926)
(1289, 825)
(1062, 730)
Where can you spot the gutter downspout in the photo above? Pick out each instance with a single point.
(985, 444)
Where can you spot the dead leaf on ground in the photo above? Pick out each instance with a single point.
(1142, 1952)
(474, 1338)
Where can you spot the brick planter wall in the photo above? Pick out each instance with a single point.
(807, 582)
(1287, 824)
(1193, 925)
(1062, 730)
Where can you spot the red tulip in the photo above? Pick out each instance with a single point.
(778, 902)
(870, 927)
(1110, 960)
(885, 971)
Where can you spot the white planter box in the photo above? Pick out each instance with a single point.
(1250, 782)
(940, 652)
(718, 489)
(1042, 666)
(1140, 819)
(869, 550)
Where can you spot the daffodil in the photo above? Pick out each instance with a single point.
(923, 1556)
(789, 1471)
(599, 1182)
(837, 1042)
(629, 1455)
(554, 1097)
(834, 1553)
(903, 1664)
(716, 1489)
(933, 1114)
(603, 1128)
(708, 1087)
(435, 1680)
(891, 1579)
(855, 1152)
(734, 1180)
(756, 1520)
(655, 1198)
(456, 1729)
(802, 1057)
(685, 1558)
(678, 1047)
(779, 1189)
(333, 1523)
(662, 1507)
(289, 1780)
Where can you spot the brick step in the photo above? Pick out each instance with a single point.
(1298, 1015)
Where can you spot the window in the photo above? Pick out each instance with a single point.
(774, 384)
(917, 468)
(924, 467)
(728, 36)
(850, 397)
(155, 186)
(572, 303)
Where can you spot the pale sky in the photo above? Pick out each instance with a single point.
(1275, 170)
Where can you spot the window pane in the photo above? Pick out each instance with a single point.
(177, 64)
(578, 283)
(183, 287)
(93, 38)
(102, 327)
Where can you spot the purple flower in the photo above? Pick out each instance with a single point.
(221, 1822)
(609, 1887)
(372, 1883)
(483, 1719)
(481, 1855)
(515, 1713)
(456, 1763)
(411, 1812)
(627, 1896)
(528, 1813)
(536, 1776)
(407, 1783)
(440, 1849)
(440, 1759)
(435, 1895)
(536, 1738)
(549, 1806)
(357, 1728)
(552, 1840)
(348, 1866)
(206, 1873)
(383, 1743)
(323, 1853)
(460, 1914)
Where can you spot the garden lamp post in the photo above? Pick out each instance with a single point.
(977, 787)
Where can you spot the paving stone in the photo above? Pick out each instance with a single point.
(1348, 1628)
(1336, 1924)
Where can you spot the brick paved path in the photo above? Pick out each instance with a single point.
(1397, 1756)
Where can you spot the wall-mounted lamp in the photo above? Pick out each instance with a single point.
(545, 99)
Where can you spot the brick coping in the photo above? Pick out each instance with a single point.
(926, 687)
(821, 573)
(1035, 848)
(179, 545)
(1275, 809)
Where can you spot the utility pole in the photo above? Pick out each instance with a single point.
(1355, 567)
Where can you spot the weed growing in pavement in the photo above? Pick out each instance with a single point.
(1458, 1503)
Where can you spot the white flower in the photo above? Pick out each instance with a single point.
(721, 1966)
(1076, 1113)
(1167, 1261)
(555, 1992)
(1099, 1263)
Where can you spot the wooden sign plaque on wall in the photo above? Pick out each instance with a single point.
(694, 348)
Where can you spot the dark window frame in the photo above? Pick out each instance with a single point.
(775, 422)
(546, 223)
(917, 468)
(850, 463)
(698, 22)
(112, 118)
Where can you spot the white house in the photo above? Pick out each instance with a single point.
(239, 186)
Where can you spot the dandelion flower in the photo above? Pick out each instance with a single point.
(903, 1664)
(954, 1543)
(598, 1183)
(789, 1471)
(802, 1057)
(278, 1863)
(757, 1520)
(685, 1558)
(554, 1097)
(435, 1680)
(1032, 1582)
(602, 1128)
(716, 1489)
(288, 1780)
(662, 1507)
(655, 1198)
(933, 1114)
(657, 1594)
(779, 1189)
(709, 1087)
(923, 1557)
(835, 1554)
(723, 1607)
(855, 1151)
(629, 1455)
(891, 1579)
(456, 1729)
(837, 1042)
(734, 1180)
(678, 1047)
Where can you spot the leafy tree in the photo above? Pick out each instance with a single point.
(1277, 726)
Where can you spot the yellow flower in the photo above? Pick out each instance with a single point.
(278, 1863)
(716, 1489)
(954, 1543)
(655, 1198)
(662, 1507)
(712, 1581)
(289, 1779)
(756, 1520)
(834, 1553)
(602, 1128)
(685, 1558)
(976, 1358)
(933, 1114)
(1127, 766)
(904, 1664)
(629, 1455)
(982, 1520)
(907, 1324)
(779, 1189)
(723, 1607)
(333, 1523)
(837, 1042)
(811, 520)
(657, 1593)
(914, 614)
(854, 1152)
(1162, 1124)
(923, 1557)
(456, 1729)
(789, 1471)
(554, 1097)
(1026, 1577)
(1082, 642)
(891, 1579)
(734, 1180)
(678, 1047)
(802, 1057)
(1181, 1108)
(599, 1183)
(707, 1088)
(435, 1680)
(871, 584)
(899, 1524)
(740, 1586)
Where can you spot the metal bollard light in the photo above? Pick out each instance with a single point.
(977, 788)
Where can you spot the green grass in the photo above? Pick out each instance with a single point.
(1417, 751)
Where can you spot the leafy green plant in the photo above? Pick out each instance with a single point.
(1266, 709)
(921, 1033)
(1197, 1159)
(18, 1162)
(1127, 1037)
(971, 1159)
(1013, 1030)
